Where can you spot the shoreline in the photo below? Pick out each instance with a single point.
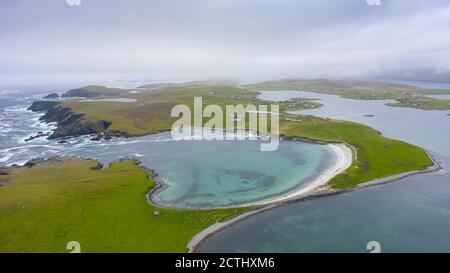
(345, 156)
(344, 161)
(319, 192)
(381, 181)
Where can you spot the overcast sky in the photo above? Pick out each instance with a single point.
(241, 39)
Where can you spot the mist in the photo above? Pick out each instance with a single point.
(212, 39)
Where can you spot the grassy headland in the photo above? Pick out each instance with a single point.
(44, 207)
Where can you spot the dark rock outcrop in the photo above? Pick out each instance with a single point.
(39, 135)
(41, 106)
(98, 137)
(68, 123)
(78, 126)
(115, 134)
(52, 96)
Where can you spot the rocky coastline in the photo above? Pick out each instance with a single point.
(68, 123)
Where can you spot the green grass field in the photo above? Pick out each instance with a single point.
(44, 207)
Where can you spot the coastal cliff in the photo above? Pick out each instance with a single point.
(68, 123)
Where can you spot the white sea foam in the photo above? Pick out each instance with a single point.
(5, 158)
(17, 109)
(18, 148)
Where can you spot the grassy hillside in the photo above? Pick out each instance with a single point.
(44, 207)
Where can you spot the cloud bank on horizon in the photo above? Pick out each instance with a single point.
(241, 39)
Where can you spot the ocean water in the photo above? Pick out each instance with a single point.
(196, 174)
(411, 215)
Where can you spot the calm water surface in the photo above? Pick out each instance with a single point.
(428, 129)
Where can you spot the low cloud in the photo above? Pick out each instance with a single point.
(247, 40)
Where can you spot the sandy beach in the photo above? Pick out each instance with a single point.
(344, 161)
